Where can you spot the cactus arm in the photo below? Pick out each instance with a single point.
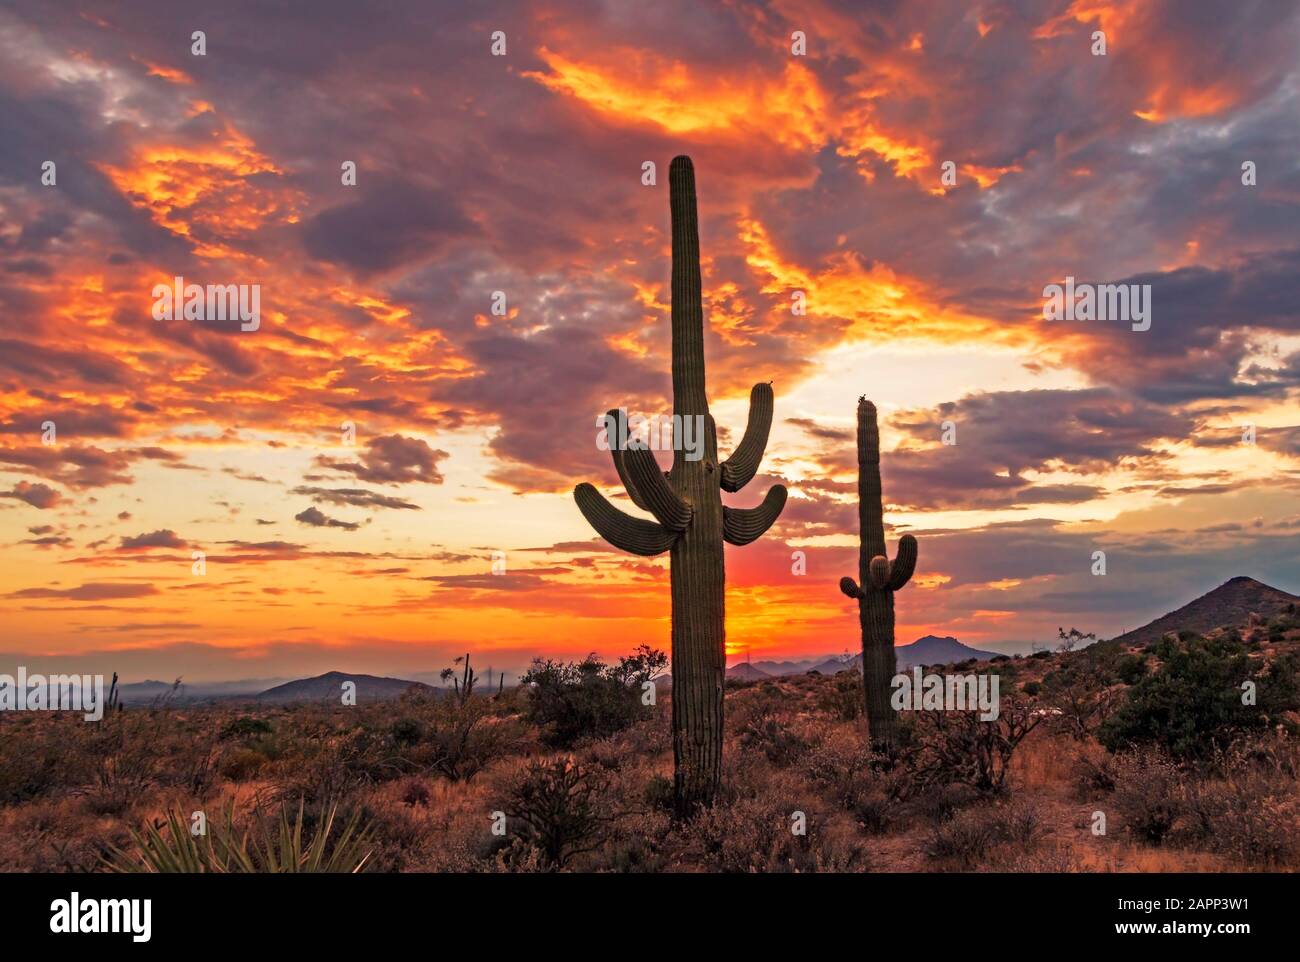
(739, 469)
(850, 587)
(634, 535)
(615, 431)
(660, 498)
(740, 526)
(900, 572)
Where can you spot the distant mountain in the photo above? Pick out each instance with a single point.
(930, 650)
(746, 672)
(934, 650)
(1228, 606)
(146, 692)
(786, 667)
(329, 688)
(140, 692)
(831, 666)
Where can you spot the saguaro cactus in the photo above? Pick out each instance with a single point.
(691, 522)
(878, 579)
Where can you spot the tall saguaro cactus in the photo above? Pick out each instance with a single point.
(691, 522)
(878, 579)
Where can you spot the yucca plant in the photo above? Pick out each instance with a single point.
(265, 850)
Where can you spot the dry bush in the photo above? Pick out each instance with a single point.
(559, 805)
(754, 835)
(1149, 795)
(1041, 858)
(958, 746)
(1092, 772)
(938, 802)
(968, 838)
(242, 764)
(843, 764)
(1249, 808)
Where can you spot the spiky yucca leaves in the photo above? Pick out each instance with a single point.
(224, 850)
(691, 522)
(878, 579)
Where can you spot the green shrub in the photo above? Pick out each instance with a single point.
(1130, 669)
(1192, 703)
(590, 699)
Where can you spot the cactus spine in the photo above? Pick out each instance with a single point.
(691, 522)
(878, 579)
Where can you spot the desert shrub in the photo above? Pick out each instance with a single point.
(125, 759)
(1248, 807)
(940, 801)
(968, 836)
(753, 834)
(590, 699)
(557, 804)
(1080, 689)
(775, 740)
(965, 838)
(242, 765)
(415, 792)
(1191, 704)
(843, 697)
(958, 746)
(1092, 771)
(1031, 688)
(1040, 859)
(405, 731)
(33, 763)
(658, 794)
(1247, 815)
(1149, 794)
(245, 726)
(457, 737)
(841, 763)
(873, 810)
(1130, 669)
(334, 765)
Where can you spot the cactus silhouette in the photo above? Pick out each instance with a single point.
(691, 522)
(878, 579)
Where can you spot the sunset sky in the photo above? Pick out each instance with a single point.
(522, 173)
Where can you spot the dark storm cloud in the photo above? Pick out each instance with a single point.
(386, 226)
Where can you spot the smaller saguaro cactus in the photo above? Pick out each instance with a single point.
(464, 685)
(878, 579)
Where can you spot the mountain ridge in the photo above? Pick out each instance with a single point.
(329, 687)
(1230, 605)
